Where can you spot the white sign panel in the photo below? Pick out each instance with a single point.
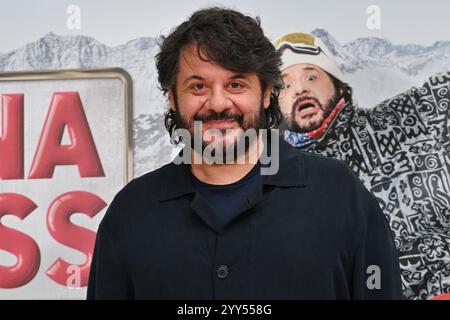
(65, 152)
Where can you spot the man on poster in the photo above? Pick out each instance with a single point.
(400, 149)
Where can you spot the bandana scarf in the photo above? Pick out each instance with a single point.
(303, 139)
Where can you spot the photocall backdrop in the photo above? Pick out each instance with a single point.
(80, 115)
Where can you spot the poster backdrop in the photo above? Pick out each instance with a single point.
(69, 140)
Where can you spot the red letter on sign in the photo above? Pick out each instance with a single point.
(11, 137)
(63, 231)
(66, 110)
(19, 244)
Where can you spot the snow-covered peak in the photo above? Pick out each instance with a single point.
(143, 43)
(332, 44)
(372, 47)
(440, 47)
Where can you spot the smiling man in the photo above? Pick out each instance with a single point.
(222, 103)
(400, 149)
(225, 230)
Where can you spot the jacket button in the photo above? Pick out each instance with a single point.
(222, 272)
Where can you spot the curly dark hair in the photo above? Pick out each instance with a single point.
(232, 40)
(347, 90)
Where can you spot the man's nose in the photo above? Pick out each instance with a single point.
(301, 88)
(218, 100)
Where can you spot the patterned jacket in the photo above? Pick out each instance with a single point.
(401, 151)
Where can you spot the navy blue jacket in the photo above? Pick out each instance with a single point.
(312, 232)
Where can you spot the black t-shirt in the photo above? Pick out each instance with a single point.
(228, 201)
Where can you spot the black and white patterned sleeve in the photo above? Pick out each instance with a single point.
(432, 101)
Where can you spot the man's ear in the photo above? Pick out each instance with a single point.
(266, 99)
(171, 100)
(341, 92)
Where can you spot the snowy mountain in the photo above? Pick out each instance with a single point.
(71, 52)
(332, 44)
(376, 68)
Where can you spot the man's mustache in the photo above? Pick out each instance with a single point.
(215, 116)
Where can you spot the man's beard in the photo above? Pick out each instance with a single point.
(251, 121)
(292, 125)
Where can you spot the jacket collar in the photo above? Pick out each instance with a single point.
(336, 124)
(176, 180)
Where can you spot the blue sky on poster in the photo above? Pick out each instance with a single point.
(116, 22)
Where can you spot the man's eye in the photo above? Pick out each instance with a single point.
(198, 86)
(287, 85)
(235, 85)
(310, 78)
